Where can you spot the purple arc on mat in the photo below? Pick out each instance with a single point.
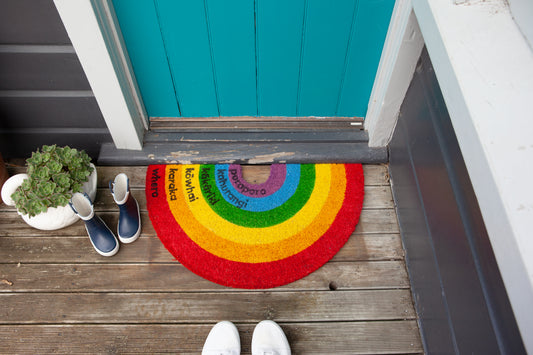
(278, 173)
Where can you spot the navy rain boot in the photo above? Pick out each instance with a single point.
(102, 238)
(129, 221)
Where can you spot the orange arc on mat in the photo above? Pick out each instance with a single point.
(259, 253)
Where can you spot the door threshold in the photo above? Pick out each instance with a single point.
(247, 124)
(183, 147)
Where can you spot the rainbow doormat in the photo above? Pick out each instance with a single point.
(254, 235)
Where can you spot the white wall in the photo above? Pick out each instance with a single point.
(484, 65)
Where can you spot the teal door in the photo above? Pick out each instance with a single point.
(208, 58)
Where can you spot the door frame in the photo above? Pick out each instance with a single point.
(94, 32)
(93, 28)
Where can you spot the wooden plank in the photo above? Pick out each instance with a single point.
(136, 174)
(389, 337)
(375, 197)
(380, 221)
(378, 197)
(242, 153)
(104, 200)
(140, 28)
(174, 277)
(192, 307)
(148, 249)
(142, 300)
(375, 174)
(231, 26)
(256, 174)
(259, 124)
(184, 28)
(371, 247)
(154, 121)
(332, 136)
(377, 221)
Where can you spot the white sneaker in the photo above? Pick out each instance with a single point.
(269, 339)
(223, 339)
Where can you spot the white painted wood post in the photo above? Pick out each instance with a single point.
(92, 28)
(484, 66)
(401, 51)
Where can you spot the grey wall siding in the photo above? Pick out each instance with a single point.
(45, 97)
(458, 291)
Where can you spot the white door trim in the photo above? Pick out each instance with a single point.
(401, 51)
(93, 29)
(484, 66)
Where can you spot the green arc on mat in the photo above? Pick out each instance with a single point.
(263, 219)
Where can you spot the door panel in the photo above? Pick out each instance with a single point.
(231, 30)
(140, 28)
(372, 17)
(184, 28)
(279, 45)
(254, 58)
(326, 35)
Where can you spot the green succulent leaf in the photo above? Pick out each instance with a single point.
(76, 187)
(48, 148)
(55, 166)
(42, 174)
(62, 180)
(54, 174)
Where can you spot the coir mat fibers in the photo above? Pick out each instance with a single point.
(245, 235)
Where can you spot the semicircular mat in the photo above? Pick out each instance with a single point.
(246, 235)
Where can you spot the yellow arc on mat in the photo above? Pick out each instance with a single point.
(278, 242)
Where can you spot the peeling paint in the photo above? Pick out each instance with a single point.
(269, 158)
(185, 153)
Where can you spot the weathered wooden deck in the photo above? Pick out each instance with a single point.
(58, 296)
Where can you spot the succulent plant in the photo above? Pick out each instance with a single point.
(55, 173)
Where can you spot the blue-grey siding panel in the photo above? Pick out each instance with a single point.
(41, 71)
(429, 303)
(19, 112)
(459, 294)
(21, 143)
(45, 97)
(31, 22)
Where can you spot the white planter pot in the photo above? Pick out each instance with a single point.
(55, 217)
